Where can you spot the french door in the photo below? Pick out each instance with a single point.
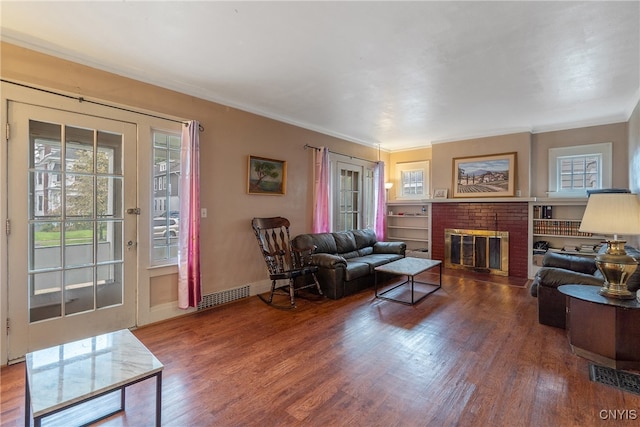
(71, 245)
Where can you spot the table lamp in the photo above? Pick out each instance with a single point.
(613, 214)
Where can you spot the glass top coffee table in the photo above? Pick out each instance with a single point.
(60, 377)
(409, 267)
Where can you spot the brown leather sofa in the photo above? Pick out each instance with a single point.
(346, 259)
(563, 269)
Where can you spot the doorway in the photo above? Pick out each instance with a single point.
(72, 245)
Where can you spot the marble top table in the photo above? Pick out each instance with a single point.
(409, 267)
(63, 376)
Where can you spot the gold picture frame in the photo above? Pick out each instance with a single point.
(485, 176)
(266, 176)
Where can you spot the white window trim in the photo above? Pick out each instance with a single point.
(605, 149)
(409, 166)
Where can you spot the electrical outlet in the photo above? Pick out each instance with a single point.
(203, 212)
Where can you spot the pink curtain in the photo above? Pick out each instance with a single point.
(189, 288)
(380, 198)
(322, 191)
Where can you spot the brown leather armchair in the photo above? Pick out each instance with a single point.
(563, 269)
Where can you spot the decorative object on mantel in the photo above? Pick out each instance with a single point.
(485, 176)
(266, 176)
(440, 193)
(614, 214)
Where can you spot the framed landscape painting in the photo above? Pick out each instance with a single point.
(266, 176)
(484, 176)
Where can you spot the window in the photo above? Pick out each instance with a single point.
(413, 180)
(574, 170)
(166, 197)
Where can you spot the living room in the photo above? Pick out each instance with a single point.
(229, 251)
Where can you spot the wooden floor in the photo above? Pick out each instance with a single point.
(471, 354)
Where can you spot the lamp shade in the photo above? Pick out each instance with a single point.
(388, 185)
(612, 214)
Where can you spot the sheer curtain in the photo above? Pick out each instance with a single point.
(322, 191)
(189, 287)
(380, 202)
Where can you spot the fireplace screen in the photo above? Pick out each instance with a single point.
(479, 250)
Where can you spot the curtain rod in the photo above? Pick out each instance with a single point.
(346, 155)
(81, 99)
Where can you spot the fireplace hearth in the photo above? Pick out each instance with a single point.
(483, 251)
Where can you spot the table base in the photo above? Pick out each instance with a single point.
(410, 280)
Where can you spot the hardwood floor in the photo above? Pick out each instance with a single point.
(471, 354)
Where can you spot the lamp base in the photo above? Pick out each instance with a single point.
(616, 267)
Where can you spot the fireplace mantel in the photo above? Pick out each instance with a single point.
(483, 200)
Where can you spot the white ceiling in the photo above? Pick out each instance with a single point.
(391, 74)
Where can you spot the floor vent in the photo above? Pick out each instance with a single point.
(626, 381)
(223, 297)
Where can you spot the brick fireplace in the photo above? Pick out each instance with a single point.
(504, 216)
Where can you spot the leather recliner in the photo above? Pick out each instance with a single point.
(564, 269)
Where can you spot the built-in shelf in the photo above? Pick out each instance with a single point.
(410, 222)
(556, 221)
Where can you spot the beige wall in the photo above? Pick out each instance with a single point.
(230, 257)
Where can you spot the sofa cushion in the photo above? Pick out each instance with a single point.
(374, 260)
(365, 251)
(356, 270)
(364, 238)
(345, 242)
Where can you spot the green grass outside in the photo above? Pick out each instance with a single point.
(52, 238)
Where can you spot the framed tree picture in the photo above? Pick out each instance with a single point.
(266, 176)
(484, 176)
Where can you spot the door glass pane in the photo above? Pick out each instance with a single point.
(110, 285)
(78, 290)
(78, 150)
(78, 243)
(45, 296)
(109, 193)
(45, 252)
(76, 261)
(109, 241)
(109, 158)
(79, 195)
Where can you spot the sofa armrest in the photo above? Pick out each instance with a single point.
(328, 261)
(398, 248)
(577, 263)
(552, 277)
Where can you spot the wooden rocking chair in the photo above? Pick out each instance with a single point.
(283, 261)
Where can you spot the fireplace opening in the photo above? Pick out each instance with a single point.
(482, 251)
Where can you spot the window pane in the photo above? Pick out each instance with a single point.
(109, 157)
(110, 285)
(79, 195)
(580, 172)
(78, 243)
(166, 196)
